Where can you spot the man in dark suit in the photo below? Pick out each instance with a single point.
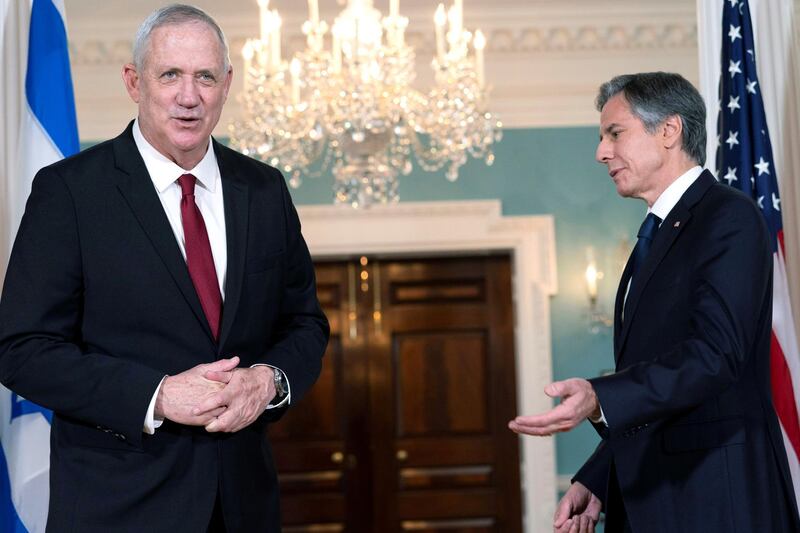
(160, 299)
(690, 439)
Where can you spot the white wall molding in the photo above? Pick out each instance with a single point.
(500, 40)
(424, 228)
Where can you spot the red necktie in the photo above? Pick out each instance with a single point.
(198, 255)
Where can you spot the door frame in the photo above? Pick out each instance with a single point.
(459, 227)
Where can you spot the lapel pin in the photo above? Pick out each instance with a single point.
(677, 224)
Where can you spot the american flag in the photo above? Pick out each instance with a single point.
(744, 161)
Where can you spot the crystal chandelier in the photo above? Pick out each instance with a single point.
(351, 107)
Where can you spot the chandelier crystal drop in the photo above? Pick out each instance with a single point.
(346, 101)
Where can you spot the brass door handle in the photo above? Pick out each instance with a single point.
(401, 455)
(349, 460)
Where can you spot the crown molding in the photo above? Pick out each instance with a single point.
(500, 40)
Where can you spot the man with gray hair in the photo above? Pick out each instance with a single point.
(161, 300)
(690, 439)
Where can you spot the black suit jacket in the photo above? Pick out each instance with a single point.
(692, 433)
(98, 306)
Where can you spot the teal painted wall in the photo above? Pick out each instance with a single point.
(547, 171)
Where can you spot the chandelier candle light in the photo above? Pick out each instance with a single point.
(351, 106)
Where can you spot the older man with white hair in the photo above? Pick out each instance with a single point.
(160, 299)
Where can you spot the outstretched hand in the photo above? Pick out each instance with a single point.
(578, 402)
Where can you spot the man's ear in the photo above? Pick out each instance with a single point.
(672, 131)
(131, 78)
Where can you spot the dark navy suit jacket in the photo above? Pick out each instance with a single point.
(98, 306)
(692, 434)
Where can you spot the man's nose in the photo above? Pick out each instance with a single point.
(188, 93)
(603, 153)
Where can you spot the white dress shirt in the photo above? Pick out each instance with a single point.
(674, 192)
(208, 196)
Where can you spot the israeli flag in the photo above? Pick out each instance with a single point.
(37, 127)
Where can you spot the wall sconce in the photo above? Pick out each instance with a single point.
(599, 320)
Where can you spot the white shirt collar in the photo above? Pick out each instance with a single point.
(673, 193)
(165, 172)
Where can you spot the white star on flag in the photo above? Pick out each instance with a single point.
(733, 103)
(762, 166)
(733, 68)
(760, 202)
(776, 202)
(733, 2)
(751, 86)
(735, 32)
(733, 138)
(730, 177)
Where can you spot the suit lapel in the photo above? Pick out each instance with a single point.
(236, 199)
(669, 231)
(137, 188)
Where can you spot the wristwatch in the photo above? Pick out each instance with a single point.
(279, 378)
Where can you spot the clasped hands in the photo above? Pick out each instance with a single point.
(217, 395)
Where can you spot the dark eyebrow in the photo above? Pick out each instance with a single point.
(608, 129)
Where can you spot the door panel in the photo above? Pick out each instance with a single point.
(440, 383)
(320, 484)
(406, 429)
(445, 412)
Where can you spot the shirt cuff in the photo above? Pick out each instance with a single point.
(151, 423)
(601, 419)
(287, 400)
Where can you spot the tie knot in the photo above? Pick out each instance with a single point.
(649, 227)
(186, 182)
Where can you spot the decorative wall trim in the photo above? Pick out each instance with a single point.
(435, 228)
(500, 40)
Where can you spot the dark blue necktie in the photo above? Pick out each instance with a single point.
(646, 233)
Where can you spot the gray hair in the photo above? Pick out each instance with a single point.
(175, 14)
(654, 96)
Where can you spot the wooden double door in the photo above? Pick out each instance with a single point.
(406, 428)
